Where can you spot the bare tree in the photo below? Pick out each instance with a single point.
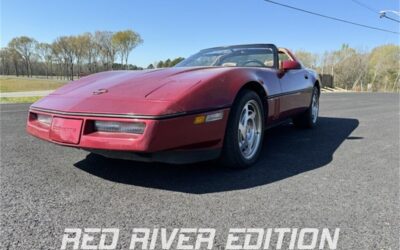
(80, 48)
(351, 71)
(64, 47)
(58, 59)
(384, 65)
(308, 59)
(92, 51)
(25, 46)
(106, 47)
(125, 42)
(5, 61)
(45, 52)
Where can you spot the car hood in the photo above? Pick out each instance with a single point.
(148, 92)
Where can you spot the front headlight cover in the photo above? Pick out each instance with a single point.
(120, 127)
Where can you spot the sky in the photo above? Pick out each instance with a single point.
(172, 28)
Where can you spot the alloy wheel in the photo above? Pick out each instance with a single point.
(250, 126)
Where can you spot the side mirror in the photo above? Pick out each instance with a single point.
(289, 65)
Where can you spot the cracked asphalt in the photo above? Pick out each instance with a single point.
(343, 174)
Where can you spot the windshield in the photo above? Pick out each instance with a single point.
(234, 56)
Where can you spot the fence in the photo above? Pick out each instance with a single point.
(326, 80)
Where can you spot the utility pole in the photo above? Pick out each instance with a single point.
(383, 13)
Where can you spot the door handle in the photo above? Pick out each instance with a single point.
(306, 76)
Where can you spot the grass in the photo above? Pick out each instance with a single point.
(29, 99)
(20, 84)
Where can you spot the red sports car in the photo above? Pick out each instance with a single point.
(215, 104)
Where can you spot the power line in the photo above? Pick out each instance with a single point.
(366, 6)
(332, 18)
(382, 13)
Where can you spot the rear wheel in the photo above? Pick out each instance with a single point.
(309, 118)
(244, 132)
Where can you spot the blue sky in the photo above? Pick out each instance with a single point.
(172, 28)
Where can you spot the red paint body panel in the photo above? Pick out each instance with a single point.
(159, 135)
(65, 130)
(157, 92)
(177, 95)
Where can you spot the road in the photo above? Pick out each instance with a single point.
(343, 174)
(26, 93)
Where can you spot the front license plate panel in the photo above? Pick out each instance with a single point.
(66, 130)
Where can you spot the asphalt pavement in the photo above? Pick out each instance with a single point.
(26, 93)
(343, 174)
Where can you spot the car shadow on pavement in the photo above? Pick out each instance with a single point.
(286, 152)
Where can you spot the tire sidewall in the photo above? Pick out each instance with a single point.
(310, 116)
(233, 126)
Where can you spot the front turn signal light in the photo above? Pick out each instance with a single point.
(200, 119)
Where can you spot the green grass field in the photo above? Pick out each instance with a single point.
(20, 84)
(29, 99)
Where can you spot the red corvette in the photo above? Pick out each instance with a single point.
(215, 104)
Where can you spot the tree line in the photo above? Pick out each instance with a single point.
(165, 64)
(69, 56)
(356, 69)
(72, 56)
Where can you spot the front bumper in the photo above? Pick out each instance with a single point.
(163, 140)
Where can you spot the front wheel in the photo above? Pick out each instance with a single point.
(309, 118)
(245, 131)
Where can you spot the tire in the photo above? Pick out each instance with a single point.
(309, 118)
(244, 133)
